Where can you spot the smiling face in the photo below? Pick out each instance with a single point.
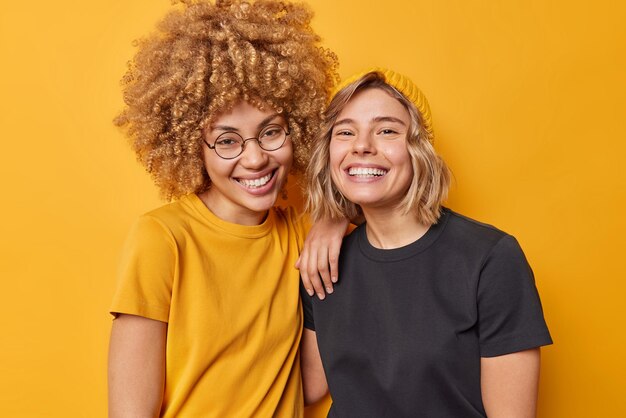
(244, 188)
(369, 161)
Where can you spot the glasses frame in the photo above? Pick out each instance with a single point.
(244, 140)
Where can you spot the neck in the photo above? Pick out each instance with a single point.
(388, 229)
(229, 214)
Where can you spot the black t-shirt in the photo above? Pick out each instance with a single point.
(403, 333)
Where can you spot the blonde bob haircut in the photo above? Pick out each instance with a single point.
(204, 58)
(431, 176)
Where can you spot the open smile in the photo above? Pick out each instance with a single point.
(366, 172)
(256, 183)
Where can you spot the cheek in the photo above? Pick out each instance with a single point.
(215, 166)
(335, 155)
(285, 156)
(398, 154)
(207, 161)
(334, 160)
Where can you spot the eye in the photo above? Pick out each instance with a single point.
(342, 133)
(387, 131)
(226, 142)
(271, 132)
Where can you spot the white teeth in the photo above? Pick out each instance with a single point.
(254, 183)
(366, 172)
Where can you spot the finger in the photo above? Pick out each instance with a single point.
(323, 270)
(297, 263)
(307, 284)
(304, 275)
(313, 275)
(333, 260)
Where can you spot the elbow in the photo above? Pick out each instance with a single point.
(314, 387)
(314, 384)
(314, 395)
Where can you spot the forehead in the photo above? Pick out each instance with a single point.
(245, 115)
(371, 103)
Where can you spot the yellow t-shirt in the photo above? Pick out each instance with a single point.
(229, 294)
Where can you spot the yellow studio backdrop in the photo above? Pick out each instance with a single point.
(529, 105)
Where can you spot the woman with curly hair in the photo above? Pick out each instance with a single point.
(436, 315)
(221, 104)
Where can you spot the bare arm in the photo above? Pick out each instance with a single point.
(136, 367)
(319, 260)
(313, 377)
(509, 384)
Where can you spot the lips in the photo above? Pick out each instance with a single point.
(366, 172)
(257, 182)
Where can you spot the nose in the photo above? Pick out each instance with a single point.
(253, 156)
(363, 144)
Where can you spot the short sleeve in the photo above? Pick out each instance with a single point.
(510, 315)
(302, 224)
(146, 271)
(307, 308)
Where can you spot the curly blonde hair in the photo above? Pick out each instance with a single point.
(205, 58)
(431, 176)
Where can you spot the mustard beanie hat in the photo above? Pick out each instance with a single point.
(405, 86)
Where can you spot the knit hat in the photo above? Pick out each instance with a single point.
(405, 86)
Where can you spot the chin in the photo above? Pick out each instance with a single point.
(264, 203)
(362, 200)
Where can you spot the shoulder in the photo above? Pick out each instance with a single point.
(465, 224)
(470, 231)
(351, 239)
(497, 250)
(150, 232)
(471, 238)
(176, 219)
(162, 226)
(355, 232)
(292, 217)
(171, 214)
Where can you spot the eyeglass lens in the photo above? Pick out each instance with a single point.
(230, 144)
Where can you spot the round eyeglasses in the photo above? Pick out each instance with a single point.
(229, 145)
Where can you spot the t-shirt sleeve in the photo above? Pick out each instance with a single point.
(510, 315)
(146, 272)
(303, 225)
(307, 308)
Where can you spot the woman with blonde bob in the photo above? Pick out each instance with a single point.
(435, 315)
(221, 103)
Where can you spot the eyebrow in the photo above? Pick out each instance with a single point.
(376, 119)
(226, 128)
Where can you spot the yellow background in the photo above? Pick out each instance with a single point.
(529, 109)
